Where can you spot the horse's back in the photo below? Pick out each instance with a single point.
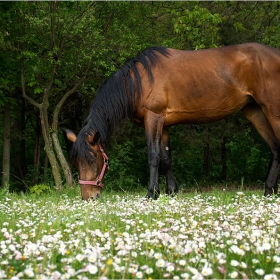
(207, 85)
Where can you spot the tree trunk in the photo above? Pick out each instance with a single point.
(63, 162)
(37, 149)
(49, 147)
(46, 164)
(6, 147)
(224, 159)
(206, 159)
(22, 157)
(65, 167)
(51, 137)
(43, 108)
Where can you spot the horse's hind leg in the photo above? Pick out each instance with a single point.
(166, 162)
(255, 115)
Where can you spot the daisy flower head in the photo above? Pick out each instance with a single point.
(266, 246)
(29, 272)
(149, 270)
(92, 257)
(185, 276)
(80, 257)
(234, 263)
(170, 267)
(270, 277)
(139, 274)
(233, 275)
(160, 263)
(157, 256)
(182, 262)
(207, 271)
(260, 271)
(92, 269)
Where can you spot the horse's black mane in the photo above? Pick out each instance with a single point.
(114, 101)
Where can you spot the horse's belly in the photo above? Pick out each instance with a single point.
(205, 113)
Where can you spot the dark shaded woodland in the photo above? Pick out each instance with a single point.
(55, 55)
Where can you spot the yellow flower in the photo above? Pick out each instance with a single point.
(109, 262)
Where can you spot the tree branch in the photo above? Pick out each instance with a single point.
(28, 98)
(47, 90)
(66, 95)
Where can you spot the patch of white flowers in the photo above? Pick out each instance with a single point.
(128, 237)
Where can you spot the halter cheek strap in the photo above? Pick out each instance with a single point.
(98, 181)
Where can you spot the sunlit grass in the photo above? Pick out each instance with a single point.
(218, 234)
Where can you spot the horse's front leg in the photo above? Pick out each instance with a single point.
(153, 130)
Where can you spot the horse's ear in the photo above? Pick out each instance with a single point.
(71, 136)
(93, 139)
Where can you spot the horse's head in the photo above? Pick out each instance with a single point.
(91, 161)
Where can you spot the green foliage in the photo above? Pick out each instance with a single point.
(36, 175)
(37, 190)
(108, 34)
(247, 157)
(123, 167)
(197, 26)
(272, 36)
(4, 192)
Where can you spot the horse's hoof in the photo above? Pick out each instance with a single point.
(172, 193)
(150, 197)
(268, 193)
(147, 198)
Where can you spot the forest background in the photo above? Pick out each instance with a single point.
(55, 55)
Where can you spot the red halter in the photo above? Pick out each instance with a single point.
(98, 181)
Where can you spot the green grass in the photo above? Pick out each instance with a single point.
(217, 234)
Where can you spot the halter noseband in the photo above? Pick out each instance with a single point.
(98, 181)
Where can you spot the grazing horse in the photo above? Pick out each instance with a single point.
(162, 87)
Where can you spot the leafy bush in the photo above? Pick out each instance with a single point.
(39, 189)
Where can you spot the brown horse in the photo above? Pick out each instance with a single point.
(162, 87)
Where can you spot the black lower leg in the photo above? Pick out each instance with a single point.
(271, 184)
(153, 189)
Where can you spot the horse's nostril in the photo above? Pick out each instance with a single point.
(98, 195)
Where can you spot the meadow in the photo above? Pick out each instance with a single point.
(219, 234)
